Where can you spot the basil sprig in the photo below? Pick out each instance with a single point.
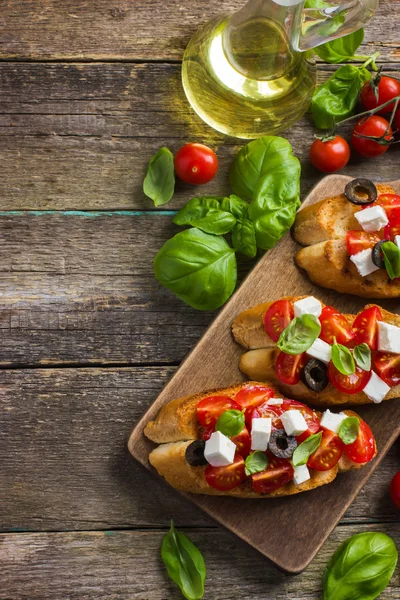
(299, 335)
(159, 183)
(256, 462)
(349, 429)
(231, 422)
(185, 563)
(306, 448)
(343, 359)
(391, 256)
(362, 356)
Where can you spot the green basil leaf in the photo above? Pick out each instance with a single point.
(299, 335)
(343, 359)
(361, 567)
(231, 422)
(235, 205)
(362, 356)
(159, 182)
(342, 49)
(349, 430)
(256, 462)
(391, 254)
(185, 563)
(199, 268)
(306, 448)
(244, 238)
(206, 214)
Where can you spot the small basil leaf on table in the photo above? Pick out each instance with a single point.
(256, 462)
(362, 356)
(361, 567)
(244, 238)
(159, 182)
(306, 448)
(199, 268)
(342, 49)
(343, 359)
(231, 422)
(206, 213)
(391, 254)
(349, 429)
(185, 563)
(299, 335)
(235, 205)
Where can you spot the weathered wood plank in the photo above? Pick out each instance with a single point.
(145, 29)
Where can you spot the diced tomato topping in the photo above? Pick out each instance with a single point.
(228, 477)
(390, 203)
(288, 367)
(348, 384)
(329, 452)
(243, 442)
(268, 412)
(278, 317)
(277, 474)
(211, 408)
(357, 241)
(335, 325)
(252, 396)
(310, 416)
(364, 448)
(393, 227)
(207, 432)
(365, 327)
(387, 365)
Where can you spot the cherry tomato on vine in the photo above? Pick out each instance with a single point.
(196, 164)
(330, 156)
(374, 126)
(388, 88)
(395, 490)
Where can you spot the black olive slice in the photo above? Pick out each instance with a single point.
(281, 444)
(377, 257)
(195, 453)
(361, 192)
(315, 375)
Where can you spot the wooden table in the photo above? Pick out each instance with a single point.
(88, 92)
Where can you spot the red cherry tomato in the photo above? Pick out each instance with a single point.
(348, 384)
(211, 408)
(330, 156)
(364, 448)
(388, 88)
(265, 411)
(387, 366)
(311, 418)
(226, 478)
(357, 241)
(393, 227)
(329, 452)
(391, 204)
(243, 442)
(277, 474)
(278, 317)
(196, 164)
(395, 490)
(207, 432)
(365, 327)
(334, 325)
(288, 367)
(374, 126)
(252, 396)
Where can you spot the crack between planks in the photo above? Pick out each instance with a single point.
(88, 365)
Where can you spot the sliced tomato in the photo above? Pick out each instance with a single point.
(278, 317)
(252, 396)
(243, 442)
(268, 412)
(226, 478)
(365, 327)
(329, 452)
(211, 408)
(348, 384)
(277, 474)
(357, 241)
(206, 432)
(335, 325)
(310, 416)
(387, 365)
(288, 367)
(390, 202)
(393, 227)
(364, 448)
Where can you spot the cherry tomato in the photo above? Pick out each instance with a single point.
(391, 204)
(330, 156)
(365, 327)
(388, 88)
(393, 227)
(288, 367)
(329, 452)
(277, 474)
(334, 325)
(357, 241)
(243, 442)
(349, 384)
(211, 408)
(374, 126)
(206, 432)
(387, 366)
(311, 418)
(228, 477)
(364, 448)
(278, 317)
(395, 490)
(196, 164)
(265, 411)
(253, 395)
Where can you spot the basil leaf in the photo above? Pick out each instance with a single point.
(231, 422)
(361, 567)
(206, 214)
(256, 462)
(299, 335)
(343, 359)
(342, 49)
(362, 356)
(391, 254)
(185, 563)
(199, 268)
(349, 429)
(244, 238)
(235, 205)
(306, 448)
(159, 182)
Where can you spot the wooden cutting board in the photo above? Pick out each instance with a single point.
(288, 531)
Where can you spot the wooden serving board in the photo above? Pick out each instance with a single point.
(288, 531)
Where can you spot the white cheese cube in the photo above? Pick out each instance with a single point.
(372, 219)
(397, 240)
(219, 450)
(388, 337)
(320, 350)
(275, 401)
(364, 263)
(293, 422)
(332, 421)
(376, 389)
(307, 306)
(301, 474)
(260, 433)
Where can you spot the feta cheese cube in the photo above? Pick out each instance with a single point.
(332, 421)
(301, 474)
(376, 389)
(275, 401)
(293, 422)
(372, 219)
(260, 433)
(388, 337)
(320, 350)
(219, 450)
(307, 306)
(364, 263)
